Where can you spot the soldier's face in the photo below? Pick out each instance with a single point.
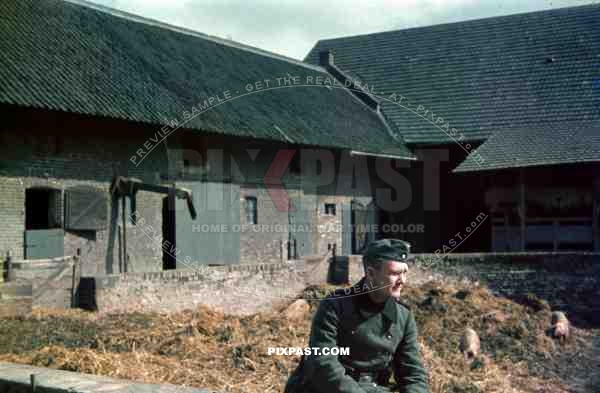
(389, 279)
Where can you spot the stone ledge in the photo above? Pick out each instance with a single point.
(16, 378)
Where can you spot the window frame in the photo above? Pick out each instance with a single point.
(251, 202)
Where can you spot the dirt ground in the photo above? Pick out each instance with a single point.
(208, 349)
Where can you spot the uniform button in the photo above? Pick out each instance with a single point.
(389, 336)
(352, 332)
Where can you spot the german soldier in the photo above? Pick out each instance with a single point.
(379, 331)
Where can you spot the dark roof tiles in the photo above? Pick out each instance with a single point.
(517, 148)
(483, 76)
(70, 57)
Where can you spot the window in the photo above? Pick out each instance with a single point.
(330, 209)
(43, 208)
(251, 211)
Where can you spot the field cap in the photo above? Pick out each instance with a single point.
(388, 249)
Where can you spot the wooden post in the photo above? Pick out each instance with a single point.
(596, 214)
(555, 234)
(76, 260)
(8, 266)
(522, 211)
(124, 225)
(33, 383)
(595, 226)
(120, 237)
(295, 249)
(493, 235)
(507, 233)
(172, 207)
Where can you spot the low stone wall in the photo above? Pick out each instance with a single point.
(317, 269)
(356, 269)
(345, 269)
(568, 281)
(50, 280)
(15, 299)
(17, 378)
(235, 289)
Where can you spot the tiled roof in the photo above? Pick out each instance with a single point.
(77, 58)
(533, 147)
(482, 76)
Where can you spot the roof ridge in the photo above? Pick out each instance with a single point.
(184, 30)
(507, 16)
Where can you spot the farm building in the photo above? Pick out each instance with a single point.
(122, 135)
(509, 106)
(147, 146)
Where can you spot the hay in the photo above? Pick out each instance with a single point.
(208, 349)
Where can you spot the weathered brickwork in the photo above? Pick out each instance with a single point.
(83, 160)
(328, 233)
(60, 159)
(52, 282)
(239, 289)
(15, 299)
(267, 241)
(569, 281)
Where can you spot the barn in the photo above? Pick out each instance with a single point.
(503, 114)
(144, 146)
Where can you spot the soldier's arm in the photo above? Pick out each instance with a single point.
(325, 372)
(409, 371)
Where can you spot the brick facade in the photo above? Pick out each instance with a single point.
(30, 161)
(239, 289)
(59, 151)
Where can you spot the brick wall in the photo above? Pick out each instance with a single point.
(88, 154)
(238, 289)
(53, 150)
(51, 281)
(568, 281)
(327, 232)
(15, 299)
(266, 242)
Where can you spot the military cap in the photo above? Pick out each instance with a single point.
(388, 249)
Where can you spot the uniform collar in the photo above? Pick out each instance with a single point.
(367, 308)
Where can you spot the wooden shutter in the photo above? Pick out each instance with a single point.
(86, 208)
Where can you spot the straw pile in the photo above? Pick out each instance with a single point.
(205, 348)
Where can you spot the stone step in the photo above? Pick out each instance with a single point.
(16, 378)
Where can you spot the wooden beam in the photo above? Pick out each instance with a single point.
(493, 237)
(507, 233)
(172, 222)
(124, 220)
(555, 234)
(522, 212)
(595, 229)
(596, 214)
(487, 186)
